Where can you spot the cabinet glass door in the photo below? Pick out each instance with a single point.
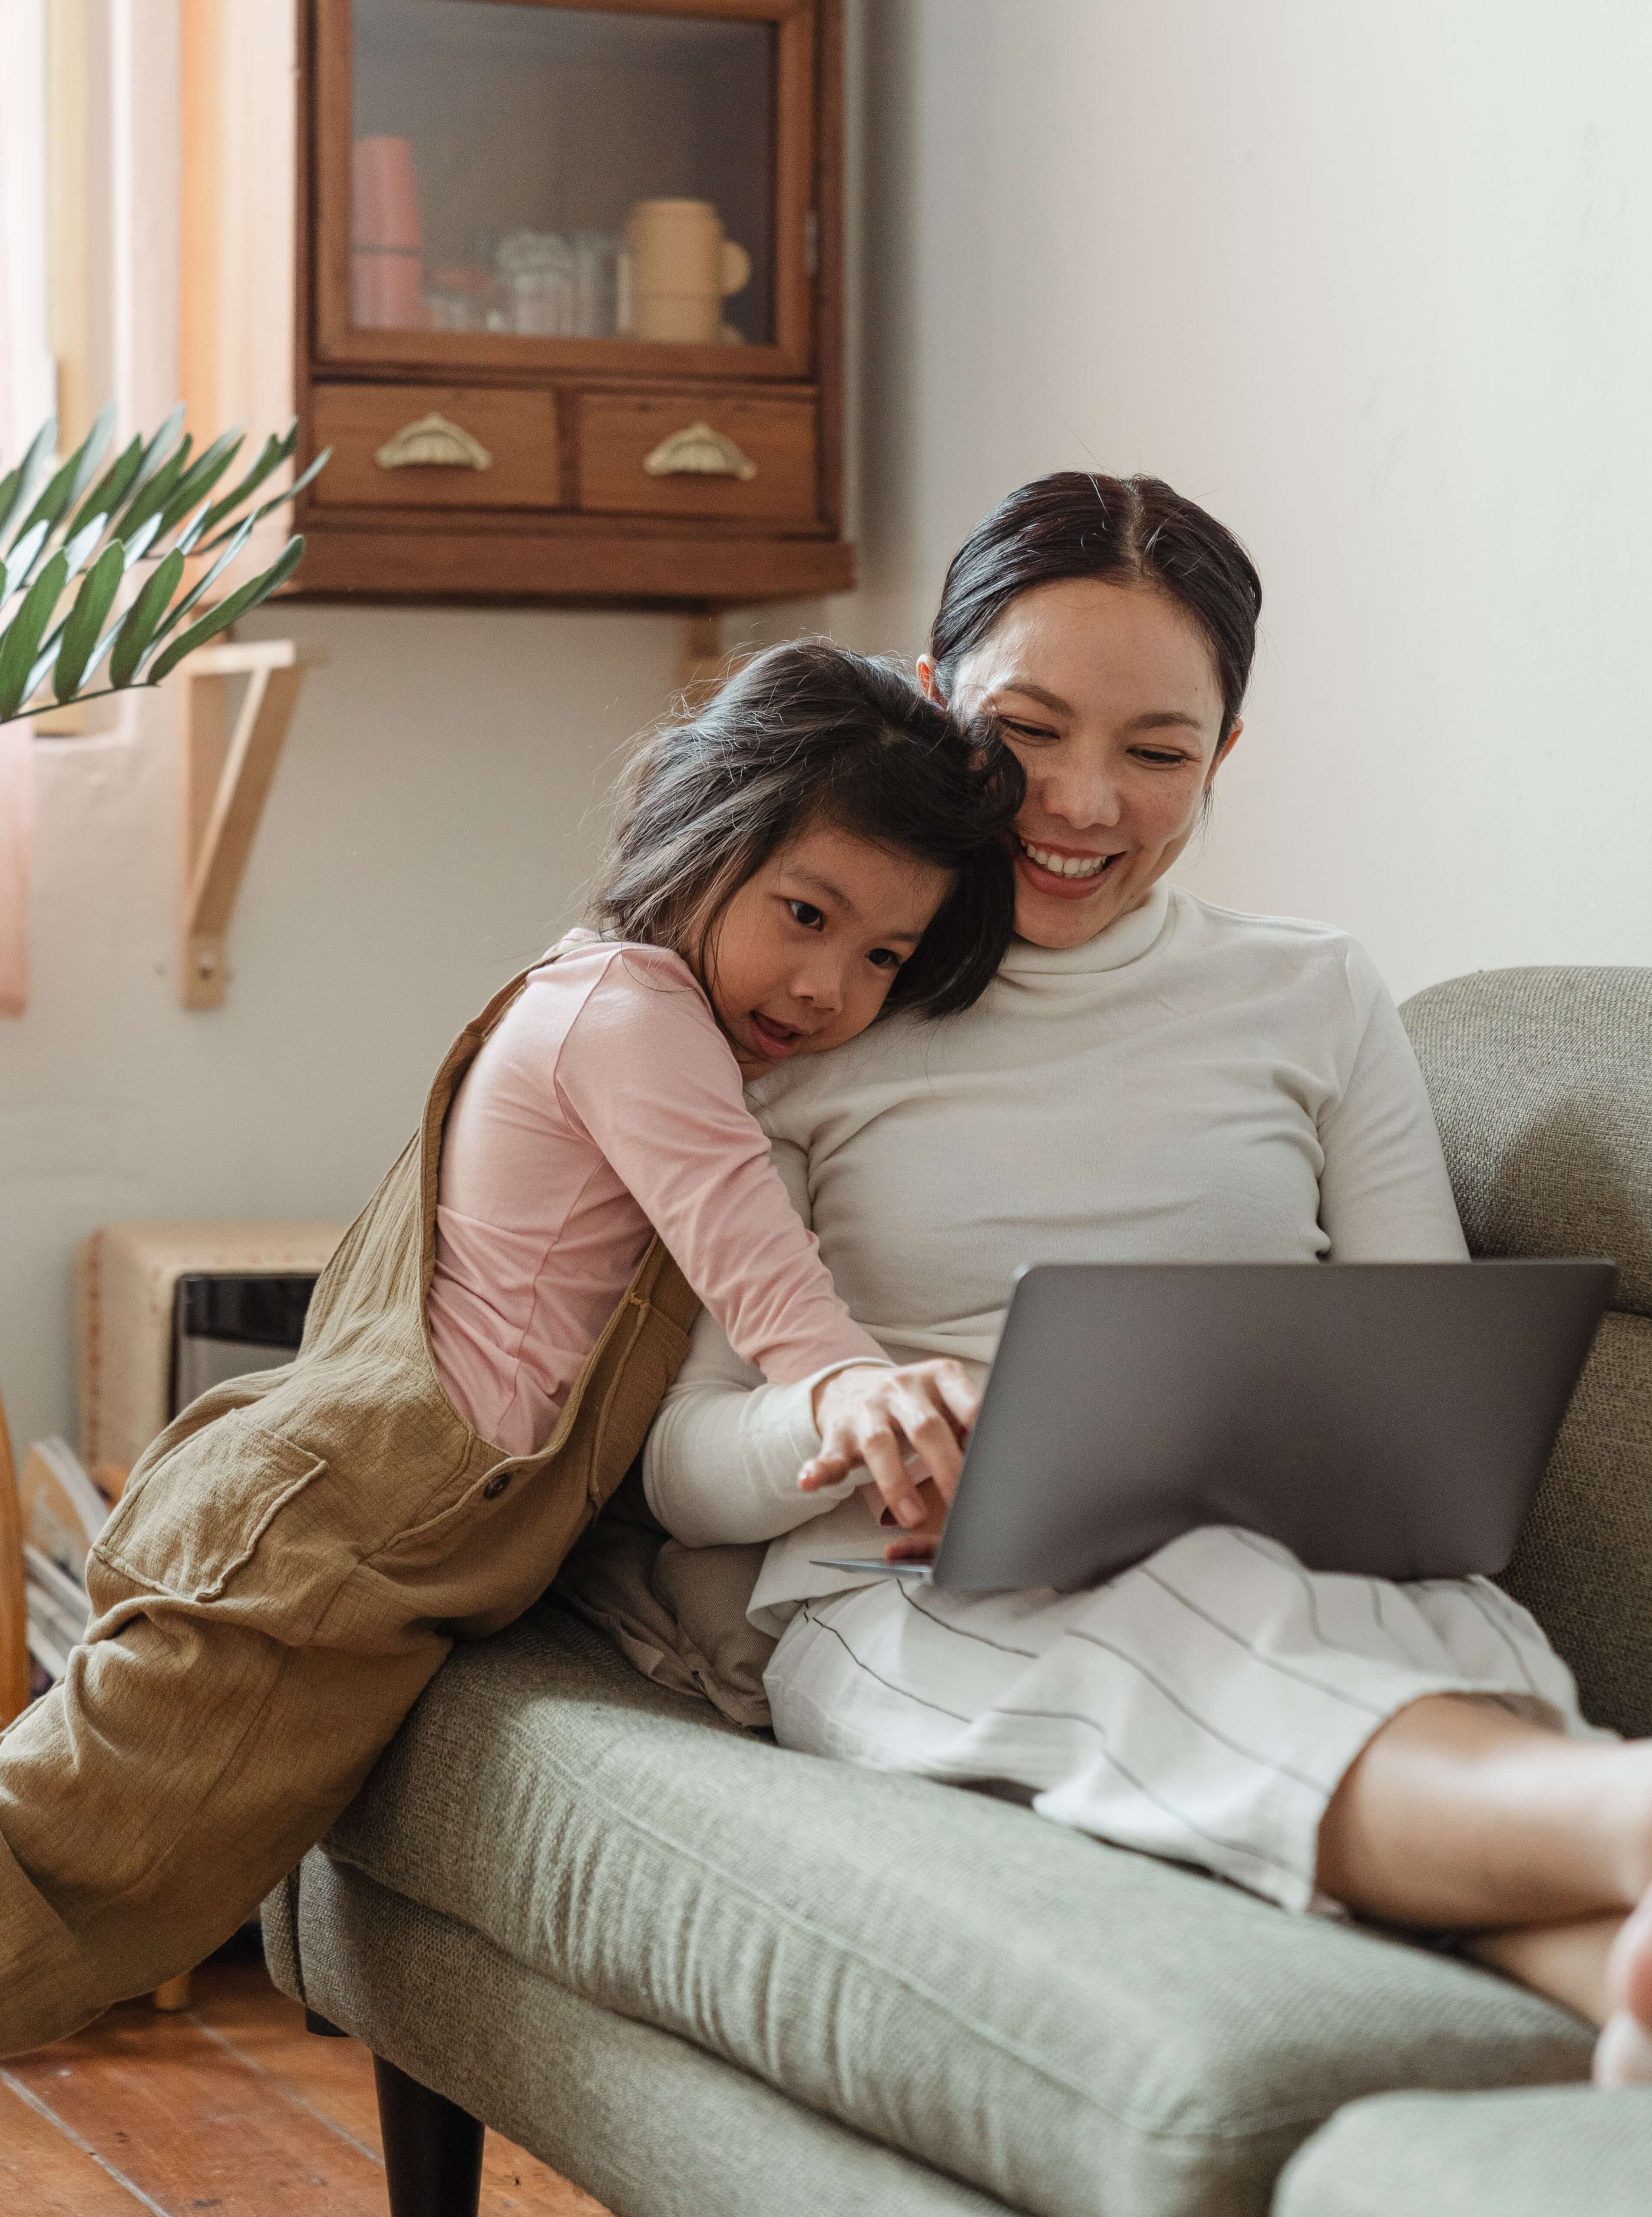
(508, 181)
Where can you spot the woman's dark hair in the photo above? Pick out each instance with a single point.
(807, 734)
(1075, 523)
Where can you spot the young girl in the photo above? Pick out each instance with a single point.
(292, 1557)
(815, 849)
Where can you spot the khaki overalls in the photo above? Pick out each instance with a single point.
(290, 1562)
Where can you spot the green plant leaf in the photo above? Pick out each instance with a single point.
(44, 660)
(31, 470)
(152, 496)
(80, 544)
(92, 449)
(71, 480)
(23, 634)
(229, 611)
(201, 476)
(160, 448)
(174, 616)
(137, 546)
(141, 619)
(98, 653)
(52, 502)
(275, 450)
(260, 513)
(22, 559)
(185, 541)
(112, 488)
(92, 605)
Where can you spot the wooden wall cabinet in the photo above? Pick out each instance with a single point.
(474, 246)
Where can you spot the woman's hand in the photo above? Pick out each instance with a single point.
(879, 1417)
(919, 1543)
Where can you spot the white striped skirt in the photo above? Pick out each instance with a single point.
(1203, 1706)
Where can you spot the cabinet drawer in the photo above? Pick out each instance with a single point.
(697, 453)
(429, 445)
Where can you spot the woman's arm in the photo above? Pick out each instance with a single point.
(723, 1459)
(1385, 1195)
(721, 1462)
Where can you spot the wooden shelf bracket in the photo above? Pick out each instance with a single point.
(227, 778)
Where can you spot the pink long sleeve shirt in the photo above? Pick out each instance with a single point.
(605, 1106)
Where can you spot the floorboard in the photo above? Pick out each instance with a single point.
(229, 2106)
(47, 2174)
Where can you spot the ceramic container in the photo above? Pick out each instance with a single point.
(682, 270)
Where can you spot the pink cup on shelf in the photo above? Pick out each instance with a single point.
(387, 256)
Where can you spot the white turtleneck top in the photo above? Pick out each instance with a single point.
(1192, 1085)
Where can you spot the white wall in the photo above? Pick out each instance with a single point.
(1370, 280)
(428, 831)
(1374, 283)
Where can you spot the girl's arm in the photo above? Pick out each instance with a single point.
(649, 1080)
(1385, 1195)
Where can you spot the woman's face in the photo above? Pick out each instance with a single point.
(1108, 694)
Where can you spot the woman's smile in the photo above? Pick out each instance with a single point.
(1066, 873)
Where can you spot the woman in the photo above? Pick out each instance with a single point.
(1150, 1079)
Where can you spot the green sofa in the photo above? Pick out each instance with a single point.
(704, 1977)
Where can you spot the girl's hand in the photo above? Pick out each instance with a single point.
(878, 1418)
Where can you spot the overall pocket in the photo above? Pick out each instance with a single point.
(231, 1516)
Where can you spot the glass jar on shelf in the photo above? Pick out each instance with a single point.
(536, 276)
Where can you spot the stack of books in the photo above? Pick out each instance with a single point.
(63, 1513)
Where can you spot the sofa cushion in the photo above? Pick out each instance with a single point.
(1070, 2028)
(1541, 2154)
(648, 2123)
(1542, 1086)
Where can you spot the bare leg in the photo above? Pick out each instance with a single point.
(1458, 1814)
(1566, 1961)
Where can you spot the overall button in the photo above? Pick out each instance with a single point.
(496, 1485)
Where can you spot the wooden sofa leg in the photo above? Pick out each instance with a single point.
(433, 2148)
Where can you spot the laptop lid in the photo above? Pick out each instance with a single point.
(1391, 1419)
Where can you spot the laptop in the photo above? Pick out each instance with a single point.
(1390, 1419)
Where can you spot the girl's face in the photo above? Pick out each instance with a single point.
(805, 953)
(1108, 694)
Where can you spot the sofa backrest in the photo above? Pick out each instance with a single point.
(1542, 1086)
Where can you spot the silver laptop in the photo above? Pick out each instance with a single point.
(1390, 1419)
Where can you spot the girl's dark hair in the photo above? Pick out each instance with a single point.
(1075, 523)
(807, 733)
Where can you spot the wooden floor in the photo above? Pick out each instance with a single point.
(229, 2106)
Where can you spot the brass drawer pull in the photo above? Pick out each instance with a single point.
(699, 452)
(434, 443)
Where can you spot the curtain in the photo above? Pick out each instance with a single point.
(27, 383)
